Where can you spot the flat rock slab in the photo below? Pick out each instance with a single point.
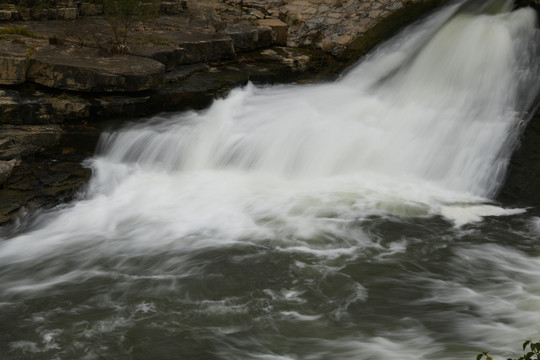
(170, 56)
(84, 69)
(199, 47)
(13, 61)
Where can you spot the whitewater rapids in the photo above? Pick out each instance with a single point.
(347, 220)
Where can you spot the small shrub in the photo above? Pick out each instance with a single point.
(532, 354)
(123, 14)
(30, 53)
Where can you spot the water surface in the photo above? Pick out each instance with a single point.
(349, 220)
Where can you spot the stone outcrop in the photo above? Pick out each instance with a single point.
(19, 142)
(87, 70)
(6, 168)
(13, 62)
(247, 38)
(279, 30)
(170, 56)
(198, 46)
(37, 167)
(331, 25)
(40, 184)
(41, 108)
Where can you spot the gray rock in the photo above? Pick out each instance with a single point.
(67, 13)
(24, 141)
(279, 30)
(247, 38)
(9, 106)
(199, 47)
(184, 71)
(170, 56)
(13, 62)
(6, 168)
(7, 15)
(84, 69)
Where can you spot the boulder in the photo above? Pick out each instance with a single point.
(6, 167)
(85, 69)
(247, 38)
(13, 62)
(67, 13)
(279, 30)
(7, 15)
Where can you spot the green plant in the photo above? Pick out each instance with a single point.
(29, 53)
(123, 14)
(532, 354)
(18, 30)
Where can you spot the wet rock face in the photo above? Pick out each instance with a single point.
(41, 183)
(522, 185)
(40, 166)
(40, 108)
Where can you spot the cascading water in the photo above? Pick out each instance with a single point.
(329, 221)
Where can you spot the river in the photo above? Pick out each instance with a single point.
(346, 220)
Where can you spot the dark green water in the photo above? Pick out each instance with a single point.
(408, 288)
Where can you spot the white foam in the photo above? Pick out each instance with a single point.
(463, 214)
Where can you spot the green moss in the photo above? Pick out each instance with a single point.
(18, 30)
(30, 52)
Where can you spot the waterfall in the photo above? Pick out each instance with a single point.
(445, 112)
